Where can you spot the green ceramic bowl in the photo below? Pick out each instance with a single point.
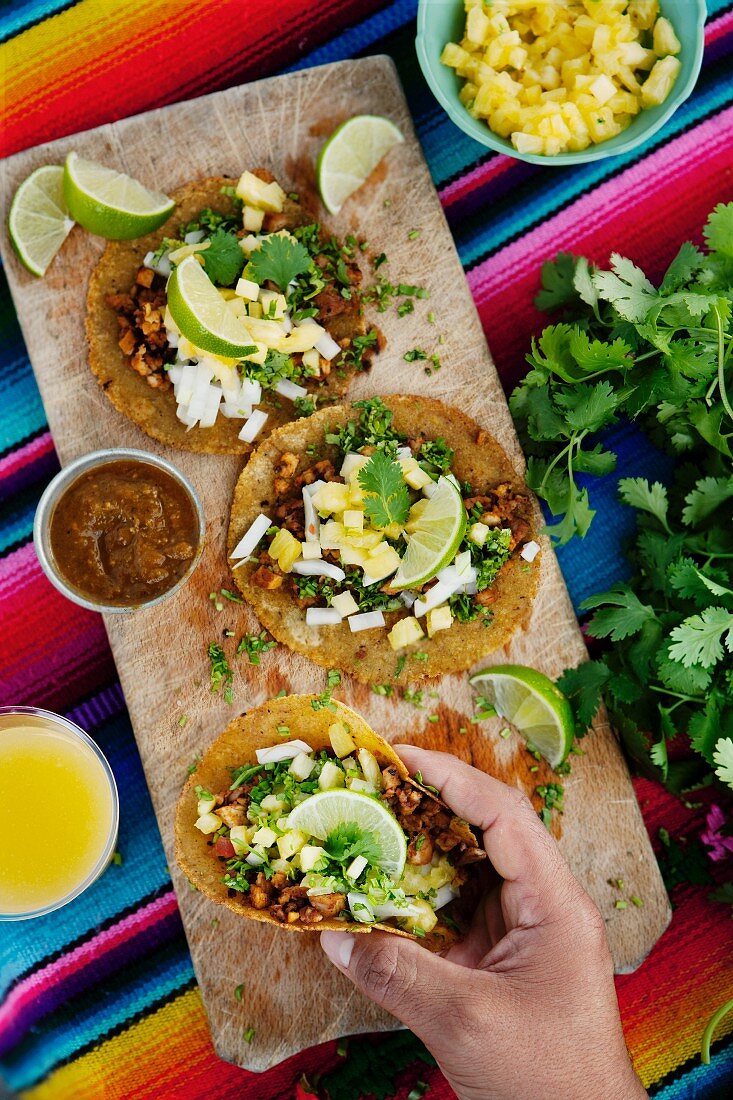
(441, 21)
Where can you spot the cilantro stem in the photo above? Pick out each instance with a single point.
(676, 695)
(707, 1034)
(722, 356)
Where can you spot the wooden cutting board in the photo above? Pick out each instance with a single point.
(292, 995)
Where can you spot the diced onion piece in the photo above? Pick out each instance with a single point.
(251, 392)
(195, 236)
(404, 453)
(322, 616)
(211, 407)
(310, 516)
(254, 859)
(291, 390)
(251, 537)
(287, 751)
(435, 596)
(345, 604)
(391, 909)
(361, 907)
(407, 598)
(530, 550)
(175, 373)
(319, 569)
(287, 323)
(327, 347)
(430, 490)
(148, 259)
(368, 620)
(443, 895)
(356, 867)
(253, 425)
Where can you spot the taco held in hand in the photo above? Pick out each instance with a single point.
(299, 815)
(383, 531)
(239, 314)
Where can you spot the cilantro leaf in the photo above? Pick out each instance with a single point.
(637, 492)
(223, 259)
(588, 408)
(348, 841)
(718, 231)
(627, 288)
(683, 268)
(697, 640)
(704, 727)
(583, 283)
(709, 493)
(583, 687)
(557, 282)
(278, 260)
(723, 757)
(624, 616)
(673, 675)
(387, 497)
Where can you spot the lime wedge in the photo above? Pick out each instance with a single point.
(531, 702)
(201, 313)
(436, 536)
(111, 204)
(327, 810)
(350, 156)
(39, 221)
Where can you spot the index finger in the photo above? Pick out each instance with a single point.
(517, 843)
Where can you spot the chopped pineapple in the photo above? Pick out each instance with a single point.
(273, 304)
(311, 551)
(353, 520)
(265, 837)
(246, 288)
(370, 767)
(208, 823)
(285, 549)
(252, 219)
(524, 62)
(241, 837)
(310, 855)
(440, 618)
(405, 632)
(341, 740)
(331, 777)
(291, 843)
(253, 191)
(332, 497)
(345, 604)
(302, 765)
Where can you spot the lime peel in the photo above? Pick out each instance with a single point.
(321, 813)
(350, 156)
(111, 204)
(534, 704)
(436, 536)
(39, 222)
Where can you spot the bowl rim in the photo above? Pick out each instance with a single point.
(105, 856)
(582, 156)
(66, 477)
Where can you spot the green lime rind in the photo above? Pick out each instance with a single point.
(111, 204)
(435, 539)
(351, 154)
(38, 221)
(325, 811)
(201, 314)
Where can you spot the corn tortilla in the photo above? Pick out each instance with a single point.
(236, 746)
(151, 409)
(367, 655)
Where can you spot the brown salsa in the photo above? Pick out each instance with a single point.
(124, 533)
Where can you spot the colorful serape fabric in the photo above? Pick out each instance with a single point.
(99, 999)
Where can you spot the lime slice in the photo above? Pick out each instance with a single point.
(111, 204)
(350, 156)
(531, 702)
(39, 221)
(201, 313)
(436, 536)
(321, 813)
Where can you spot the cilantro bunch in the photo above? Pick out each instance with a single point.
(661, 356)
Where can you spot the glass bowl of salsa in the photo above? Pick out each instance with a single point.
(119, 530)
(46, 756)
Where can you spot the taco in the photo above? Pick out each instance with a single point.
(299, 815)
(308, 335)
(384, 530)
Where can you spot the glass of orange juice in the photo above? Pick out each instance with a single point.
(59, 812)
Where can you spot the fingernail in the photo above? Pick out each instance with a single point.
(338, 946)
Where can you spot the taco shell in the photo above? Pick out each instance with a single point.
(368, 656)
(257, 729)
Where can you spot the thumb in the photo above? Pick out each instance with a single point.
(429, 994)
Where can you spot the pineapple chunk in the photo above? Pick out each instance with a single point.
(302, 765)
(310, 855)
(405, 632)
(664, 39)
(264, 196)
(331, 777)
(370, 768)
(603, 88)
(273, 304)
(332, 497)
(252, 219)
(333, 535)
(341, 740)
(291, 843)
(285, 549)
(272, 804)
(643, 13)
(246, 288)
(440, 618)
(310, 551)
(478, 533)
(312, 363)
(426, 920)
(382, 564)
(354, 555)
(660, 82)
(249, 244)
(527, 143)
(477, 26)
(345, 604)
(353, 520)
(241, 837)
(205, 805)
(208, 823)
(265, 837)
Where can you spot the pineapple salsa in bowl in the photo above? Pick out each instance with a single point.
(561, 81)
(300, 815)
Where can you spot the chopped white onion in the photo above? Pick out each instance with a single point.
(287, 323)
(391, 909)
(361, 907)
(251, 537)
(368, 620)
(184, 390)
(175, 373)
(172, 337)
(195, 236)
(253, 425)
(148, 259)
(443, 895)
(291, 390)
(327, 347)
(322, 616)
(235, 411)
(273, 754)
(254, 859)
(251, 392)
(319, 569)
(434, 597)
(407, 598)
(310, 516)
(213, 401)
(530, 550)
(404, 453)
(430, 489)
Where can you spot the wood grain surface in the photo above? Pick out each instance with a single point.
(292, 995)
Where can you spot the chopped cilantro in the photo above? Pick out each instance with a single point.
(255, 644)
(222, 674)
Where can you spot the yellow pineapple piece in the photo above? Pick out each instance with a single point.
(643, 13)
(664, 38)
(660, 82)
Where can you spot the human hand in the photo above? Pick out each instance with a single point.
(525, 1006)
